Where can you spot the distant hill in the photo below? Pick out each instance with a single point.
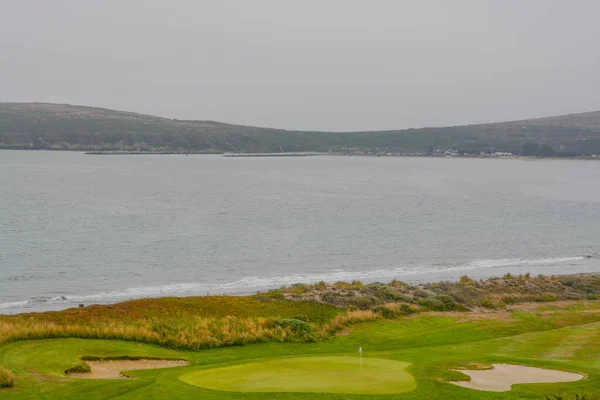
(67, 127)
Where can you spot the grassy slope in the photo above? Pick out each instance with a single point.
(59, 126)
(186, 323)
(561, 336)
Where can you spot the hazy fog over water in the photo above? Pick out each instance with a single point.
(317, 65)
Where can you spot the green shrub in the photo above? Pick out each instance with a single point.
(442, 302)
(420, 294)
(7, 379)
(295, 325)
(382, 292)
(487, 303)
(549, 297)
(385, 312)
(405, 298)
(449, 303)
(300, 317)
(509, 300)
(589, 288)
(364, 303)
(275, 294)
(358, 284)
(342, 285)
(298, 288)
(398, 284)
(320, 285)
(405, 309)
(467, 294)
(331, 297)
(431, 303)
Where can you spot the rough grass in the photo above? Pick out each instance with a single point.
(189, 333)
(7, 378)
(184, 323)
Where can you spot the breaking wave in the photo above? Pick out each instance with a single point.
(14, 304)
(254, 283)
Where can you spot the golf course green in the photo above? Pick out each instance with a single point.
(309, 374)
(411, 358)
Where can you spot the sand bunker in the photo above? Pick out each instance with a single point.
(503, 376)
(111, 369)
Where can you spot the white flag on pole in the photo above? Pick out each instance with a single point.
(360, 353)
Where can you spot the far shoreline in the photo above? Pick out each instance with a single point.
(304, 154)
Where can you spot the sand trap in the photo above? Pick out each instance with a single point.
(111, 369)
(503, 376)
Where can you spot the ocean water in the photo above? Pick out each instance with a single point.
(87, 229)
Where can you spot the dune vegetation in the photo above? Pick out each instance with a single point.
(465, 294)
(431, 330)
(304, 313)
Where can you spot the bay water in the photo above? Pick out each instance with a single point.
(77, 228)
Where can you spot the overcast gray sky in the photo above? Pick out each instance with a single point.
(307, 64)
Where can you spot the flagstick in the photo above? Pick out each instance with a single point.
(360, 352)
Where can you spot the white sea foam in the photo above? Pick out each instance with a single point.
(507, 262)
(13, 304)
(254, 283)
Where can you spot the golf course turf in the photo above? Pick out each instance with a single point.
(309, 374)
(406, 358)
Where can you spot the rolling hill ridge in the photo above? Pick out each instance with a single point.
(68, 127)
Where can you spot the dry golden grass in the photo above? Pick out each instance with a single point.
(195, 333)
(7, 379)
(180, 331)
(341, 321)
(185, 323)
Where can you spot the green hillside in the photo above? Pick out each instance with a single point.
(66, 127)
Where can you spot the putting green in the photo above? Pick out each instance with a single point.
(310, 374)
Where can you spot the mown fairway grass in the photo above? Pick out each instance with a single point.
(559, 336)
